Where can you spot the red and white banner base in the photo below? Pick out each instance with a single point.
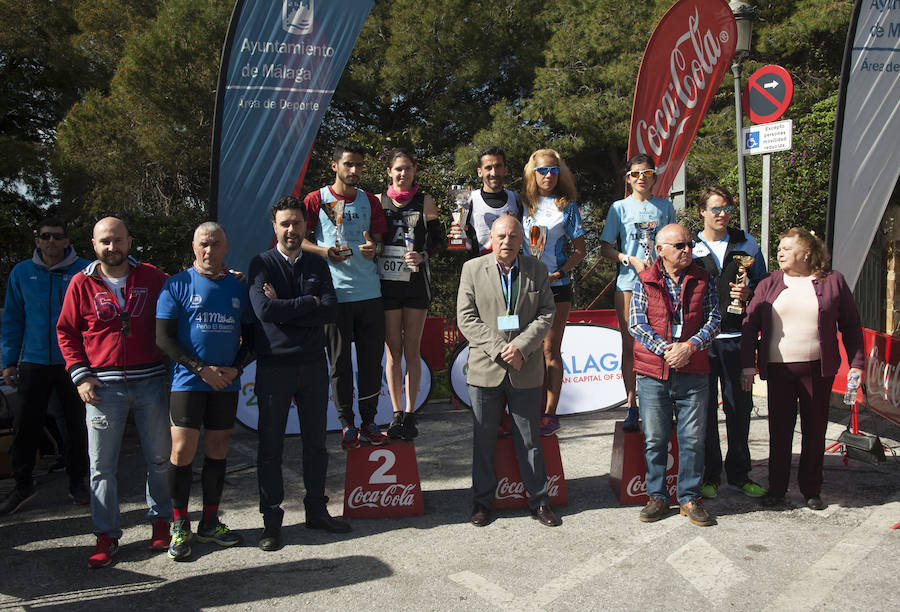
(382, 481)
(510, 490)
(628, 470)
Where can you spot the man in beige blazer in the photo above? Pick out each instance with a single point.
(504, 308)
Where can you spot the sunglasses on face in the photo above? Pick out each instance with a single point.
(545, 169)
(636, 174)
(680, 246)
(53, 235)
(125, 318)
(718, 210)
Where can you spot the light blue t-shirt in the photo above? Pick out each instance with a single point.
(621, 230)
(355, 279)
(209, 314)
(562, 226)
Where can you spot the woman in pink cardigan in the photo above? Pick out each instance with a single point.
(797, 312)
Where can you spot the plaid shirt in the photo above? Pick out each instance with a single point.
(639, 324)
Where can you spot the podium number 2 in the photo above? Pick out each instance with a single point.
(380, 475)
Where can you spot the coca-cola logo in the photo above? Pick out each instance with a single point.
(637, 486)
(883, 378)
(694, 42)
(397, 495)
(515, 489)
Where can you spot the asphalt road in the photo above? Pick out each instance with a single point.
(602, 557)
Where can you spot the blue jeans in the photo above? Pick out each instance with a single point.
(275, 387)
(106, 423)
(684, 397)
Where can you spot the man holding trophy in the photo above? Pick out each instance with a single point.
(477, 210)
(734, 260)
(347, 225)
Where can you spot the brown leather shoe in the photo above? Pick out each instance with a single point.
(546, 516)
(696, 513)
(481, 516)
(654, 510)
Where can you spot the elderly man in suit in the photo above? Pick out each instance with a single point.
(505, 308)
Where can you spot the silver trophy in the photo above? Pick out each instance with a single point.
(537, 240)
(411, 219)
(743, 278)
(647, 229)
(337, 215)
(459, 195)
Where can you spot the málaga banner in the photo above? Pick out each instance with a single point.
(683, 65)
(281, 61)
(865, 159)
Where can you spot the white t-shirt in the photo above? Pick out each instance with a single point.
(117, 288)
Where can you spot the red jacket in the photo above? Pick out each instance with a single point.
(90, 329)
(693, 290)
(837, 311)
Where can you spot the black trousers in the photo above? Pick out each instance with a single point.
(363, 323)
(36, 384)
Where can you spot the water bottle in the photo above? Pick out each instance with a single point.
(852, 386)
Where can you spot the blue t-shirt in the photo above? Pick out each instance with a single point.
(209, 314)
(621, 229)
(562, 226)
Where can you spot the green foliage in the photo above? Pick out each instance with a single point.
(122, 92)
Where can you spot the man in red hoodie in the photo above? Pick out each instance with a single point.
(107, 335)
(674, 316)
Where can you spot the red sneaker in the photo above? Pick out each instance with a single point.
(103, 552)
(160, 539)
(370, 434)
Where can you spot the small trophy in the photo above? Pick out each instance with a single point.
(459, 195)
(744, 262)
(410, 219)
(537, 240)
(337, 212)
(646, 228)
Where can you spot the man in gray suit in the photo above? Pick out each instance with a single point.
(504, 308)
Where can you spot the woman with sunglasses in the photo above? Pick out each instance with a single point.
(628, 238)
(549, 199)
(796, 312)
(406, 284)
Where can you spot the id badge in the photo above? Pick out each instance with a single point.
(508, 323)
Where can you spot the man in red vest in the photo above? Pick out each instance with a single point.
(674, 316)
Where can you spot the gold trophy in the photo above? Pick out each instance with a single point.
(337, 215)
(410, 219)
(460, 196)
(537, 240)
(646, 228)
(742, 279)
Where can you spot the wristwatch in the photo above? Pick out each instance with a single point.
(625, 260)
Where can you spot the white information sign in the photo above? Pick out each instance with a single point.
(768, 137)
(592, 370)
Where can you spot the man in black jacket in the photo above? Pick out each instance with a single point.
(716, 251)
(293, 297)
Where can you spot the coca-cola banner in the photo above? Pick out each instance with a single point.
(281, 61)
(865, 158)
(684, 63)
(882, 375)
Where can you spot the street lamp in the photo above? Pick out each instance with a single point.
(743, 15)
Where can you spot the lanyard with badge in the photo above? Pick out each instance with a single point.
(509, 322)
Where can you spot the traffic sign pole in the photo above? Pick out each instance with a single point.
(739, 133)
(766, 182)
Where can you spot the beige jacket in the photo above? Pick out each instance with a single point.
(478, 304)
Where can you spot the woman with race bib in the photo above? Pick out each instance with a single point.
(414, 234)
(552, 221)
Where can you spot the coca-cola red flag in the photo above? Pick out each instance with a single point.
(683, 65)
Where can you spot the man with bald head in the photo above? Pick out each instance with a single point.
(674, 316)
(504, 308)
(107, 335)
(204, 325)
